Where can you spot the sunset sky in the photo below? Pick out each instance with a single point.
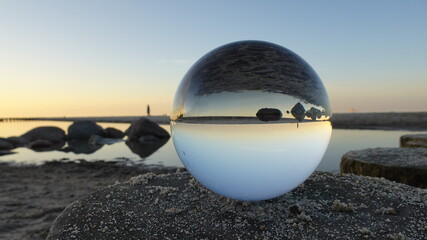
(112, 58)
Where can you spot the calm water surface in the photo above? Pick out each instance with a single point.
(342, 141)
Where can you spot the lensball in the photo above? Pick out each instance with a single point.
(250, 120)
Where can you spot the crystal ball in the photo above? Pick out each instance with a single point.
(250, 120)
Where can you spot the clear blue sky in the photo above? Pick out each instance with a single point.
(69, 58)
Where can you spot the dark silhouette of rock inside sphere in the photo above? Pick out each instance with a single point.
(298, 111)
(269, 114)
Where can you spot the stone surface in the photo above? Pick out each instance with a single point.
(18, 141)
(40, 144)
(403, 165)
(51, 134)
(269, 114)
(413, 141)
(175, 206)
(143, 127)
(114, 133)
(84, 129)
(6, 145)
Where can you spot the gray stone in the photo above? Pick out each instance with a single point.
(84, 129)
(144, 127)
(6, 145)
(18, 141)
(175, 206)
(413, 141)
(114, 133)
(403, 165)
(40, 144)
(51, 134)
(269, 114)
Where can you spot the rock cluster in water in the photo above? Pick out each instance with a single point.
(86, 137)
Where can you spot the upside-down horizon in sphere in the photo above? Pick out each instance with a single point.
(250, 120)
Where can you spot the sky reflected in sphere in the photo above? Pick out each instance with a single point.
(250, 120)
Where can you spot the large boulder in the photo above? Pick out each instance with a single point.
(114, 133)
(84, 129)
(6, 145)
(403, 165)
(175, 206)
(413, 140)
(144, 127)
(18, 141)
(51, 134)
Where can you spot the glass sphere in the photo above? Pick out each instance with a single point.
(250, 120)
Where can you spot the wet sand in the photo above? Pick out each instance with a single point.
(31, 197)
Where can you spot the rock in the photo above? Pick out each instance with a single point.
(145, 147)
(45, 145)
(84, 129)
(314, 113)
(95, 140)
(6, 152)
(98, 140)
(144, 127)
(18, 141)
(175, 206)
(269, 114)
(40, 144)
(114, 133)
(413, 141)
(6, 145)
(148, 139)
(51, 134)
(79, 146)
(403, 165)
(298, 111)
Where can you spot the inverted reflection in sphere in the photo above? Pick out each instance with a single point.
(250, 120)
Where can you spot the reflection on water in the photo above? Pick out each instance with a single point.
(342, 141)
(79, 146)
(145, 149)
(148, 153)
(241, 160)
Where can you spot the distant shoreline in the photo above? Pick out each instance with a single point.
(413, 121)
